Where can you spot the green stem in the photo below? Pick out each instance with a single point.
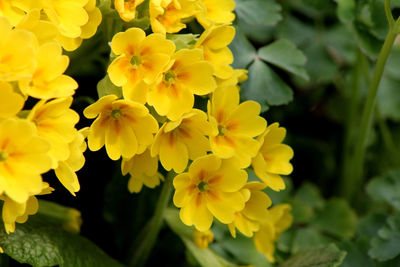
(352, 108)
(388, 12)
(358, 161)
(152, 229)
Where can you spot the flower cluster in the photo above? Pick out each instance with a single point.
(41, 137)
(157, 121)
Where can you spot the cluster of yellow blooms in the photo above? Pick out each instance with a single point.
(156, 122)
(43, 137)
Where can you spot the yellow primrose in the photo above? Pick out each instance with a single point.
(66, 170)
(87, 30)
(178, 141)
(10, 102)
(127, 9)
(68, 15)
(202, 239)
(215, 41)
(17, 52)
(55, 122)
(234, 126)
(143, 171)
(273, 158)
(139, 57)
(216, 12)
(125, 127)
(210, 188)
(48, 80)
(189, 74)
(18, 212)
(166, 15)
(238, 76)
(44, 30)
(11, 10)
(247, 221)
(279, 219)
(23, 158)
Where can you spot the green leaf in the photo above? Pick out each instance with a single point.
(386, 188)
(366, 41)
(337, 218)
(310, 195)
(328, 256)
(265, 86)
(380, 26)
(346, 10)
(389, 98)
(369, 225)
(41, 244)
(284, 54)
(258, 12)
(183, 40)
(243, 51)
(106, 87)
(308, 238)
(205, 257)
(386, 245)
(357, 252)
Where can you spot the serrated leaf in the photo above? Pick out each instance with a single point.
(337, 218)
(41, 244)
(346, 10)
(386, 245)
(386, 188)
(106, 87)
(242, 49)
(205, 257)
(284, 54)
(265, 86)
(258, 12)
(328, 256)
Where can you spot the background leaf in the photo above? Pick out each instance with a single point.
(41, 244)
(386, 245)
(258, 12)
(328, 256)
(386, 188)
(284, 54)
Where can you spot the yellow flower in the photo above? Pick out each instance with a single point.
(65, 171)
(202, 239)
(143, 171)
(234, 126)
(210, 188)
(216, 12)
(247, 221)
(18, 212)
(178, 141)
(55, 122)
(273, 158)
(48, 80)
(166, 15)
(23, 158)
(74, 221)
(139, 57)
(10, 10)
(44, 30)
(10, 102)
(127, 9)
(125, 127)
(238, 76)
(215, 41)
(17, 52)
(87, 30)
(189, 74)
(279, 219)
(68, 15)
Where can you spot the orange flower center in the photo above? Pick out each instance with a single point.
(3, 156)
(169, 77)
(221, 130)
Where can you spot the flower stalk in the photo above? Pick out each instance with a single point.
(356, 181)
(151, 230)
